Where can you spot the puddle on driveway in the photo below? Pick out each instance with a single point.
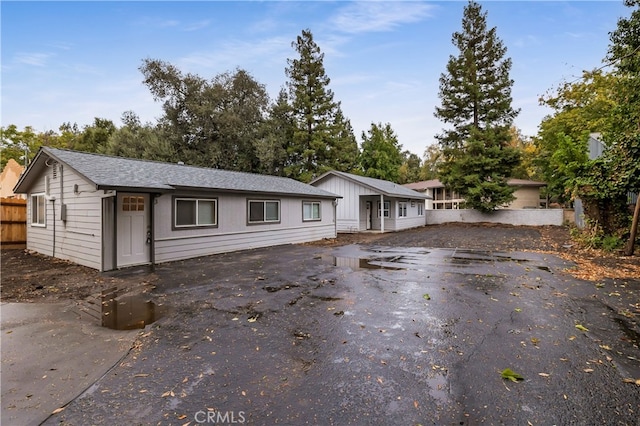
(357, 263)
(122, 309)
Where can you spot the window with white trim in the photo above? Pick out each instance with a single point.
(263, 211)
(38, 210)
(387, 205)
(195, 212)
(420, 208)
(310, 210)
(402, 209)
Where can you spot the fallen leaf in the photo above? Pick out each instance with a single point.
(57, 410)
(415, 404)
(141, 375)
(588, 370)
(182, 417)
(426, 296)
(635, 382)
(581, 327)
(509, 374)
(544, 374)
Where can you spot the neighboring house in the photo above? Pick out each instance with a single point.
(372, 204)
(110, 212)
(527, 194)
(10, 175)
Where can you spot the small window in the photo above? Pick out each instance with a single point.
(386, 208)
(193, 212)
(262, 211)
(420, 209)
(310, 210)
(133, 203)
(38, 210)
(402, 209)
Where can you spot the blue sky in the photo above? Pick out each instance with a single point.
(73, 61)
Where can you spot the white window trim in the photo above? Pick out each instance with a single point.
(402, 208)
(196, 225)
(264, 219)
(387, 208)
(44, 219)
(420, 208)
(312, 219)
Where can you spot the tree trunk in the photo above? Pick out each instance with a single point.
(634, 229)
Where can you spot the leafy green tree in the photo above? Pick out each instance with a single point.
(67, 138)
(137, 140)
(527, 168)
(476, 102)
(18, 145)
(380, 155)
(431, 163)
(322, 138)
(209, 123)
(605, 182)
(271, 148)
(580, 108)
(94, 137)
(410, 169)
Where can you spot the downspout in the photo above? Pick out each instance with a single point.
(63, 218)
(53, 250)
(152, 248)
(382, 213)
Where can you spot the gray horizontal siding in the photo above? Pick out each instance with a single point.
(78, 238)
(178, 248)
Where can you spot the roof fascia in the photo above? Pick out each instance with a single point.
(268, 193)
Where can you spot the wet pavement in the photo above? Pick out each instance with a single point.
(374, 335)
(50, 356)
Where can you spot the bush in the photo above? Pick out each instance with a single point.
(593, 236)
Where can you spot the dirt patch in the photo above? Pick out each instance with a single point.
(29, 277)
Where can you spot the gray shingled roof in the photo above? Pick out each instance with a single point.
(383, 186)
(108, 172)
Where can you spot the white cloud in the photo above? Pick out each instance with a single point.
(35, 59)
(374, 16)
(194, 26)
(236, 53)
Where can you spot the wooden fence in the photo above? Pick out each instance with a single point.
(13, 215)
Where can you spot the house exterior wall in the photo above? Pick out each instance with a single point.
(352, 208)
(232, 232)
(527, 197)
(77, 239)
(350, 212)
(394, 222)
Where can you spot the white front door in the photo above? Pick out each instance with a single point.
(133, 229)
(369, 214)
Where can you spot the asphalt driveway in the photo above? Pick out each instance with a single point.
(388, 331)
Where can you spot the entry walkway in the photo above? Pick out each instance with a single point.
(50, 356)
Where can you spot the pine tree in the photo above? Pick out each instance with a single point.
(381, 155)
(322, 138)
(476, 103)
